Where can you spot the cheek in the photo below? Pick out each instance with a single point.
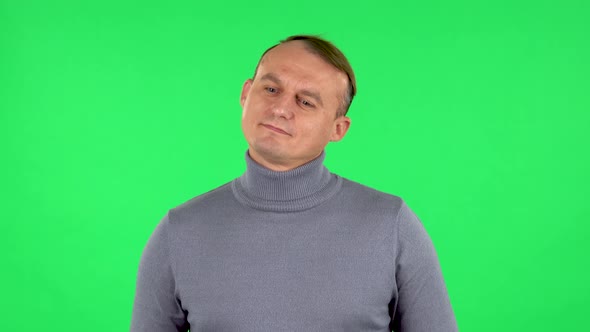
(318, 132)
(252, 108)
(249, 110)
(247, 118)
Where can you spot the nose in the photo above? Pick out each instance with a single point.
(282, 107)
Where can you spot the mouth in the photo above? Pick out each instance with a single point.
(275, 129)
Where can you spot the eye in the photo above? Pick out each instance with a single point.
(306, 103)
(270, 89)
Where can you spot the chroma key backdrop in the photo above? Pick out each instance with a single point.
(477, 113)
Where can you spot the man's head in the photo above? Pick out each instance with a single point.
(332, 55)
(296, 102)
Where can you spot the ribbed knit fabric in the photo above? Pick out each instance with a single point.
(299, 189)
(301, 250)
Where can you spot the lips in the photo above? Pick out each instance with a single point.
(275, 129)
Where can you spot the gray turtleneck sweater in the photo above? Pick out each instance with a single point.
(301, 250)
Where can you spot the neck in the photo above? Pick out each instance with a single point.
(296, 189)
(278, 165)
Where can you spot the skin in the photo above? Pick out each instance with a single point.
(289, 110)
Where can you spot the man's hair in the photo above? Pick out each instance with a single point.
(332, 55)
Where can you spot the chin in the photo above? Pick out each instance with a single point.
(270, 151)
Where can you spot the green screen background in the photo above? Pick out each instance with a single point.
(475, 112)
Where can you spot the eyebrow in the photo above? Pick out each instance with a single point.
(272, 77)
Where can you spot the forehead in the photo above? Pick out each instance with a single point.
(293, 63)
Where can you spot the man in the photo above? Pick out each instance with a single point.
(289, 246)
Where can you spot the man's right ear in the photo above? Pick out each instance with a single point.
(245, 90)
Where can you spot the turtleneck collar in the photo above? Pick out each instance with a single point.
(298, 189)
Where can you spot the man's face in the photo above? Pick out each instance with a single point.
(289, 109)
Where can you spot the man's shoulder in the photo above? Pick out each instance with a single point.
(364, 195)
(213, 199)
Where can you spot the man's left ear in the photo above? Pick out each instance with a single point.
(341, 125)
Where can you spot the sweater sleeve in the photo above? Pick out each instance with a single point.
(156, 306)
(423, 304)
